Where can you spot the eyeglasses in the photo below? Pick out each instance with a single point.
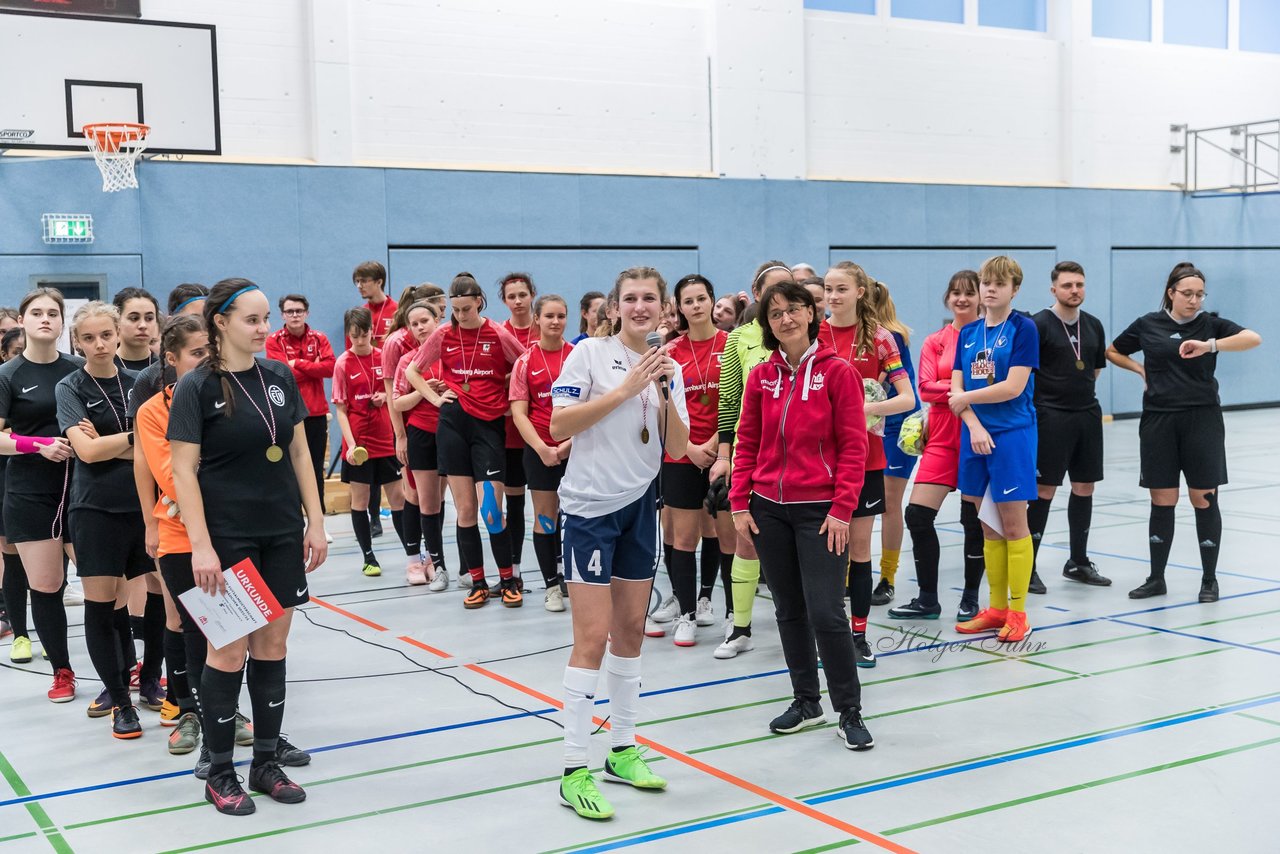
(790, 311)
(1192, 295)
(294, 311)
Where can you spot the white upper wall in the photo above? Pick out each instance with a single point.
(744, 88)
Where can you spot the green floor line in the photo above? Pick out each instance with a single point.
(1227, 620)
(1053, 793)
(34, 809)
(843, 843)
(1258, 718)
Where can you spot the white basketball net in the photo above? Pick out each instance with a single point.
(116, 148)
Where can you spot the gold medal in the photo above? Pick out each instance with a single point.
(1079, 364)
(704, 398)
(360, 455)
(991, 379)
(644, 435)
(466, 386)
(275, 453)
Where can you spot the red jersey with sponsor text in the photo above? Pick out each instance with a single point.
(532, 378)
(474, 363)
(699, 362)
(356, 379)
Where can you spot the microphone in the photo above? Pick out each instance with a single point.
(654, 339)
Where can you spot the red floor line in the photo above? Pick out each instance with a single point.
(670, 752)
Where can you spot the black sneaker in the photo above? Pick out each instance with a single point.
(288, 754)
(224, 792)
(375, 525)
(968, 607)
(853, 732)
(1150, 587)
(270, 780)
(883, 594)
(1085, 573)
(1209, 590)
(1036, 585)
(125, 723)
(862, 651)
(802, 714)
(915, 610)
(201, 771)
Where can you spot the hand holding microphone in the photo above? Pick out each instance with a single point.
(654, 339)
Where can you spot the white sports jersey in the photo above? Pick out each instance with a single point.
(610, 466)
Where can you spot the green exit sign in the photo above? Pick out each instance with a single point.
(67, 228)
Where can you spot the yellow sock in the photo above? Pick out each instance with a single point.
(889, 564)
(746, 577)
(1021, 558)
(996, 555)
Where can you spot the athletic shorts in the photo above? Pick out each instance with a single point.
(175, 569)
(622, 544)
(940, 461)
(110, 545)
(1010, 470)
(514, 475)
(898, 464)
(375, 472)
(1191, 442)
(423, 455)
(469, 447)
(278, 560)
(541, 477)
(31, 518)
(871, 499)
(684, 486)
(1070, 443)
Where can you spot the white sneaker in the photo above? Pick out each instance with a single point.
(667, 611)
(416, 572)
(464, 580)
(554, 600)
(728, 625)
(705, 616)
(440, 581)
(72, 595)
(731, 648)
(652, 629)
(686, 628)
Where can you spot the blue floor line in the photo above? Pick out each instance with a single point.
(934, 775)
(1196, 637)
(676, 689)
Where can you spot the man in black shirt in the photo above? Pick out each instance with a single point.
(1073, 352)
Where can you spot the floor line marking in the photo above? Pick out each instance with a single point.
(1196, 637)
(47, 828)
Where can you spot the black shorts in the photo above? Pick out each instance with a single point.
(514, 474)
(540, 477)
(175, 569)
(871, 499)
(278, 560)
(375, 471)
(110, 545)
(1068, 444)
(422, 450)
(1191, 442)
(684, 486)
(469, 447)
(31, 518)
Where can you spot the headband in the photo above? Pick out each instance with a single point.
(232, 298)
(768, 270)
(186, 302)
(1189, 273)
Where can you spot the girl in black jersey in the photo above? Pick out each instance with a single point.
(1181, 432)
(13, 619)
(37, 478)
(106, 519)
(139, 328)
(242, 472)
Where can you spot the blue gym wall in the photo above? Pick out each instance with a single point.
(300, 228)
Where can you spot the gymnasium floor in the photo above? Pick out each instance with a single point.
(1121, 726)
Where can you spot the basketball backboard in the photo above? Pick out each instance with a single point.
(65, 71)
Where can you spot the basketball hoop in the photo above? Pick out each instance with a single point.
(116, 147)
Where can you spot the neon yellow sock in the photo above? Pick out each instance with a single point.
(746, 576)
(1021, 559)
(889, 564)
(996, 555)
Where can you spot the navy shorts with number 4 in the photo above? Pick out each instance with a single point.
(622, 544)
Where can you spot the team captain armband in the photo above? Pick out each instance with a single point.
(566, 391)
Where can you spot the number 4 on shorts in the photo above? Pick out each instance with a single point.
(593, 565)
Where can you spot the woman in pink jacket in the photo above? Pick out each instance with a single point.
(794, 494)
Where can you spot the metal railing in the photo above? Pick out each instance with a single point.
(1246, 155)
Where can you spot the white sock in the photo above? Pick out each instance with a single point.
(623, 681)
(579, 705)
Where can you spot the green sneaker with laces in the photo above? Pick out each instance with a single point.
(372, 570)
(628, 766)
(578, 792)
